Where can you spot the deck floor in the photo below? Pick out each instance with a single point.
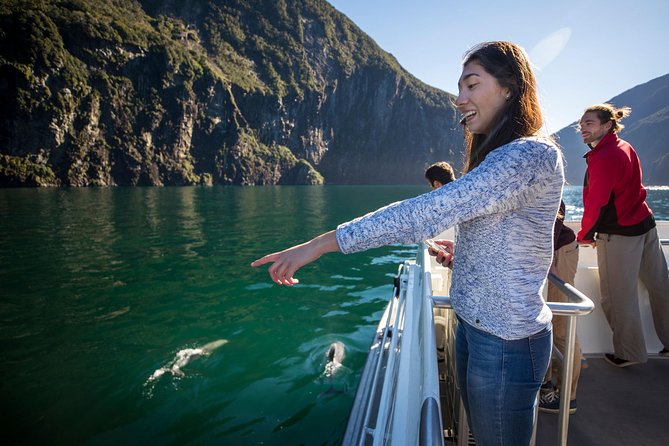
(627, 406)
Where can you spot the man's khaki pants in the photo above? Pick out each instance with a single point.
(622, 260)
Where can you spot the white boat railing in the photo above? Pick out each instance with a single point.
(363, 424)
(397, 401)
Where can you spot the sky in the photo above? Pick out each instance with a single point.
(583, 51)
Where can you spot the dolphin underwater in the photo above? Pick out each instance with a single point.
(185, 356)
(333, 362)
(334, 356)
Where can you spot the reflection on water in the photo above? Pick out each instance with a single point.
(657, 198)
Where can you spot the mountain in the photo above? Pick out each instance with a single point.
(647, 129)
(176, 92)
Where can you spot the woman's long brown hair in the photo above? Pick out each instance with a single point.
(521, 116)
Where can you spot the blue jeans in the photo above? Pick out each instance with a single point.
(499, 381)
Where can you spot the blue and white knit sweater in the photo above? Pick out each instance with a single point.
(504, 210)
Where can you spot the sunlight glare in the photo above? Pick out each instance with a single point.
(549, 48)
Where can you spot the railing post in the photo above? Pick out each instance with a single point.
(570, 310)
(567, 374)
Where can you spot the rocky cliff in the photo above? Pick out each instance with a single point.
(113, 92)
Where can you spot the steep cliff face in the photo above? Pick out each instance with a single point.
(100, 93)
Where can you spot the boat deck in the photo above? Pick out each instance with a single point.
(616, 406)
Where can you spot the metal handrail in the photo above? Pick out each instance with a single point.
(578, 305)
(431, 428)
(391, 337)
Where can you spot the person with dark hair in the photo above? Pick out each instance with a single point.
(619, 223)
(512, 185)
(439, 174)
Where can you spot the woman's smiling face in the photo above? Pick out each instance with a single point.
(480, 98)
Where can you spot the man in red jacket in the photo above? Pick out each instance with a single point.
(617, 220)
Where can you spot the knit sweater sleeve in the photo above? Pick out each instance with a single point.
(501, 183)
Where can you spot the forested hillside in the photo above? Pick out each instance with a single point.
(124, 92)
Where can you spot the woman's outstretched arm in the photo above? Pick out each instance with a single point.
(285, 263)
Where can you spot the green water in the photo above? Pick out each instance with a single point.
(100, 288)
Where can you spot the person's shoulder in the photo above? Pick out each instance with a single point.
(536, 145)
(612, 143)
(541, 142)
(624, 145)
(616, 148)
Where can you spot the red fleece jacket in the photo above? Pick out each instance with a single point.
(613, 196)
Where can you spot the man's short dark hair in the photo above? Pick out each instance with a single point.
(441, 171)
